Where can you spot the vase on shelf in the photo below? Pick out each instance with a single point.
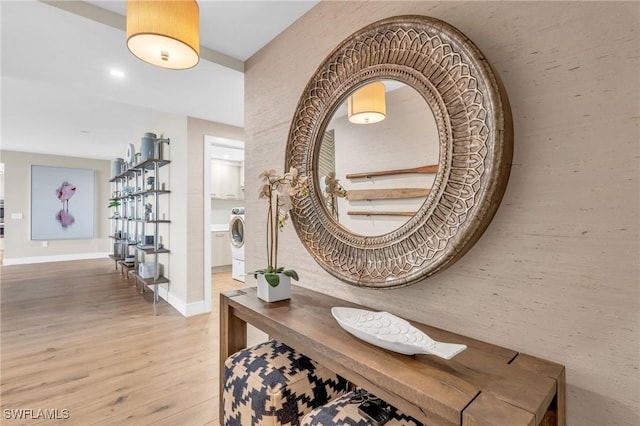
(274, 294)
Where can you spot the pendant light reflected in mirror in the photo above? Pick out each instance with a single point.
(164, 33)
(367, 104)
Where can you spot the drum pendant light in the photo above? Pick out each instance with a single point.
(164, 33)
(367, 104)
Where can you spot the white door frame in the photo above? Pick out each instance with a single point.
(207, 222)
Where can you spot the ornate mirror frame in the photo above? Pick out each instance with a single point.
(475, 128)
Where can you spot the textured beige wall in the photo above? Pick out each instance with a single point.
(18, 244)
(556, 273)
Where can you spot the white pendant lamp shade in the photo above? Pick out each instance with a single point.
(164, 33)
(367, 104)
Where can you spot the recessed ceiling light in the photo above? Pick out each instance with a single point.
(226, 157)
(116, 73)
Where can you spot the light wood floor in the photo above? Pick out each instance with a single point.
(78, 336)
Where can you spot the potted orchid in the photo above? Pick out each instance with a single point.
(114, 204)
(274, 282)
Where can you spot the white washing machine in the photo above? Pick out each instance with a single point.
(236, 234)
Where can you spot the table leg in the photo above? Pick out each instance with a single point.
(233, 338)
(556, 414)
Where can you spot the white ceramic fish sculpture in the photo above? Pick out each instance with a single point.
(393, 333)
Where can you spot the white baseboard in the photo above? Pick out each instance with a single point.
(57, 258)
(195, 308)
(186, 309)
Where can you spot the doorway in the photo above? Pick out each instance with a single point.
(223, 195)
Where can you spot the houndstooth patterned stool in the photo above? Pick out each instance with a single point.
(272, 384)
(344, 412)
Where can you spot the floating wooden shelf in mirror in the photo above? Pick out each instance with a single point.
(475, 137)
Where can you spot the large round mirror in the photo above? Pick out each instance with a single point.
(459, 158)
(375, 194)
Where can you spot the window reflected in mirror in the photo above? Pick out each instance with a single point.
(374, 176)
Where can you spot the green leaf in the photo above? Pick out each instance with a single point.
(279, 270)
(291, 273)
(256, 272)
(272, 279)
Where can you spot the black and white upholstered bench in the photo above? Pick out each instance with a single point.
(343, 411)
(272, 384)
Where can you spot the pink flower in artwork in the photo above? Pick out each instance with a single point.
(65, 191)
(65, 218)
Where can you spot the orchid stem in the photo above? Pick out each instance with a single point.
(275, 236)
(269, 237)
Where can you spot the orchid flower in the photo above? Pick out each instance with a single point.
(280, 192)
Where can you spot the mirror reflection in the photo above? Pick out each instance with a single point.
(378, 158)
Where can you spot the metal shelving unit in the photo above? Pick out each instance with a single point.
(137, 223)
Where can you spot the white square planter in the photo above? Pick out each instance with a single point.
(274, 294)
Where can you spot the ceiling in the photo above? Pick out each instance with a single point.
(58, 93)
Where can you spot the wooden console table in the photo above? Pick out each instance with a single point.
(484, 385)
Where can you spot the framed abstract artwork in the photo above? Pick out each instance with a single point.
(62, 203)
